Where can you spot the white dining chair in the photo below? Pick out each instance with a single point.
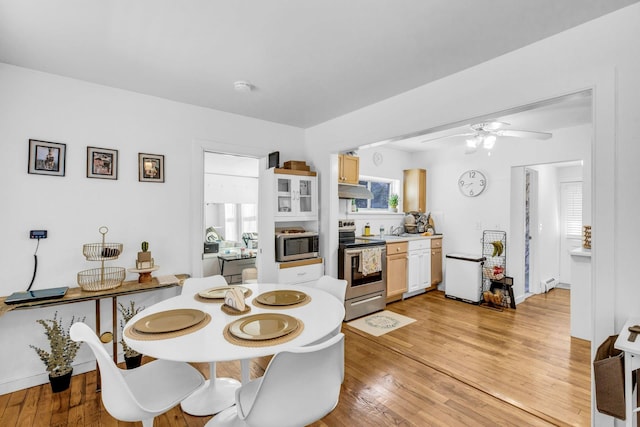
(143, 393)
(299, 387)
(250, 275)
(336, 287)
(193, 285)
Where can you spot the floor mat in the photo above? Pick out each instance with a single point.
(380, 323)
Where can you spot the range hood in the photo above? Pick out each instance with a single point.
(351, 191)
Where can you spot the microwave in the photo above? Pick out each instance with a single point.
(294, 246)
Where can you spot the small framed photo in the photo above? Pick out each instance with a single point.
(47, 158)
(102, 163)
(150, 167)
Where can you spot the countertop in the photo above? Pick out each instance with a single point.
(581, 252)
(402, 238)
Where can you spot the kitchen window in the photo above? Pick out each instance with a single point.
(381, 188)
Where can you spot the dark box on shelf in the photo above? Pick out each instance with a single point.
(210, 248)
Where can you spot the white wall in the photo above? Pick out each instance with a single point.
(597, 55)
(465, 218)
(72, 208)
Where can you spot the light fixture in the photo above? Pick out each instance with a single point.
(485, 139)
(243, 86)
(489, 141)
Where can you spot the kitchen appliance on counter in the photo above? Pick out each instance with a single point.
(296, 243)
(366, 293)
(463, 277)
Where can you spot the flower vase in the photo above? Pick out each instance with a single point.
(133, 361)
(60, 383)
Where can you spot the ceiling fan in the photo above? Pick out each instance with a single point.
(485, 134)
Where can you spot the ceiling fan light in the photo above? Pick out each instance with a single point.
(474, 141)
(489, 142)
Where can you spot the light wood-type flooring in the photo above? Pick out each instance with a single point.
(457, 365)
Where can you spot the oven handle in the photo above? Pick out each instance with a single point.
(367, 300)
(358, 251)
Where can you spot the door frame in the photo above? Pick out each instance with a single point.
(196, 192)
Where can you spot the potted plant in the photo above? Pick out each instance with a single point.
(132, 358)
(393, 202)
(63, 351)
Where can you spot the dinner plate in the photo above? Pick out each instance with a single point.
(169, 321)
(219, 292)
(264, 326)
(282, 297)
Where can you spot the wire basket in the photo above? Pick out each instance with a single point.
(100, 279)
(101, 251)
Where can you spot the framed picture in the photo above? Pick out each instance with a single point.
(102, 163)
(150, 167)
(47, 158)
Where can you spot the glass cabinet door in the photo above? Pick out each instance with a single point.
(285, 195)
(305, 197)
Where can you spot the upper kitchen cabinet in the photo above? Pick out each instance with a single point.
(296, 195)
(415, 190)
(348, 169)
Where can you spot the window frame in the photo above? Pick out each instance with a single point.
(394, 185)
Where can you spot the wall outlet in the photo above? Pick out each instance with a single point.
(38, 234)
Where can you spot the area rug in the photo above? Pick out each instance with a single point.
(380, 323)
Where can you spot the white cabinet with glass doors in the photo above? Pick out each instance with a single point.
(296, 197)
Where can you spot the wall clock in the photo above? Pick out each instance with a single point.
(377, 158)
(472, 183)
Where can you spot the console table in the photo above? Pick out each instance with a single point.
(77, 294)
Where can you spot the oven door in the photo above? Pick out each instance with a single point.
(358, 284)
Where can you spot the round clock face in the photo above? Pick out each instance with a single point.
(472, 183)
(377, 158)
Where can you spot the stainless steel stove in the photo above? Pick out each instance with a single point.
(365, 293)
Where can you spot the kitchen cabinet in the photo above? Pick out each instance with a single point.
(288, 199)
(436, 262)
(296, 195)
(348, 169)
(419, 265)
(414, 190)
(396, 270)
(303, 272)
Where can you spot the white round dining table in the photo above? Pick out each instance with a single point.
(320, 317)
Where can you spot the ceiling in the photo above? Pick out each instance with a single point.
(309, 61)
(546, 116)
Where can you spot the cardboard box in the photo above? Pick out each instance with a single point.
(297, 165)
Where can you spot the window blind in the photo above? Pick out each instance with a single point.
(573, 208)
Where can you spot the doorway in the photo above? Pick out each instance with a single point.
(552, 223)
(530, 226)
(230, 214)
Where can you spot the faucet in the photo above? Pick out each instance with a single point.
(396, 231)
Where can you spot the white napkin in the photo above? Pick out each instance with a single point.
(234, 298)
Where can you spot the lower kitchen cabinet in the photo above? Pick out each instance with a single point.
(302, 272)
(436, 263)
(396, 270)
(419, 269)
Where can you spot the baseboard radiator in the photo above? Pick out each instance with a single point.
(547, 284)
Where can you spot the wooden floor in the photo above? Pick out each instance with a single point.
(457, 365)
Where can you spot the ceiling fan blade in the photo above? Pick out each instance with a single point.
(524, 134)
(446, 136)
